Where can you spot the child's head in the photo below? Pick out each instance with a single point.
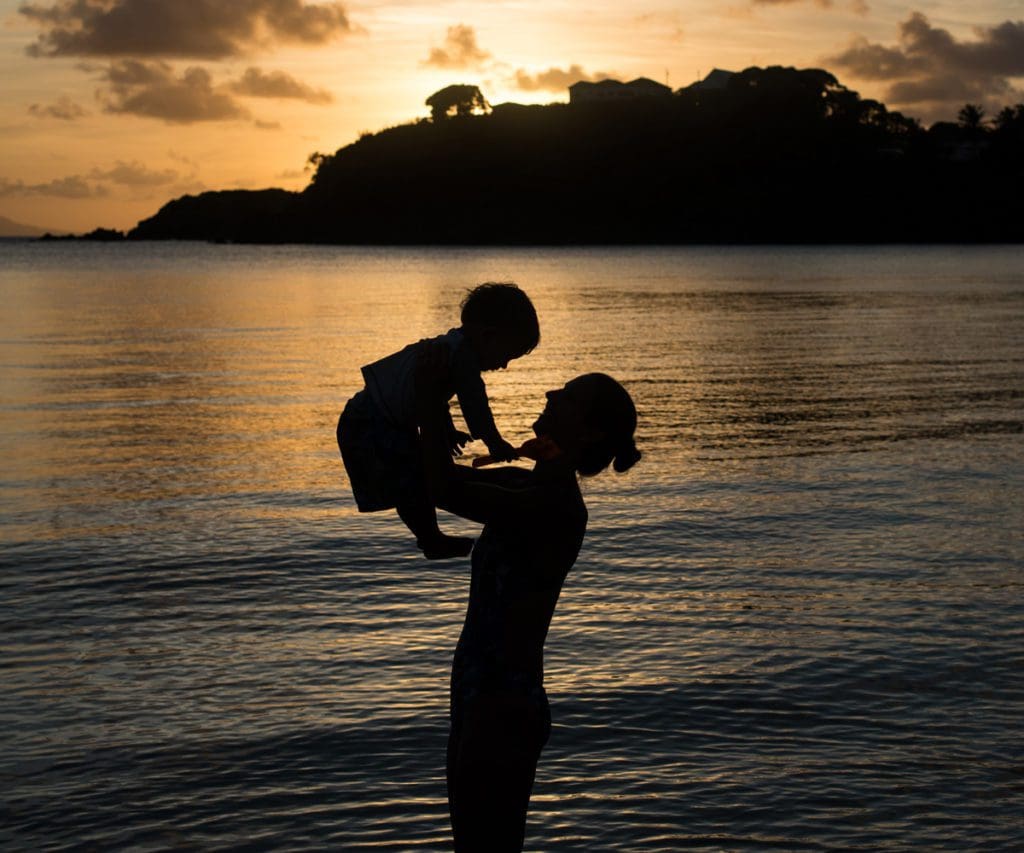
(500, 323)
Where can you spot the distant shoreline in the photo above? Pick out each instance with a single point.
(772, 156)
(507, 245)
(776, 156)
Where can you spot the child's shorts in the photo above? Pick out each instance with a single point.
(383, 462)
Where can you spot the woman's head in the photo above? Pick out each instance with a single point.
(593, 420)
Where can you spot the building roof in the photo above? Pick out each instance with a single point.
(609, 83)
(717, 79)
(646, 83)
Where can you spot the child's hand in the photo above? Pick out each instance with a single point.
(457, 440)
(502, 451)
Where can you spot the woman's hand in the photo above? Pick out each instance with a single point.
(540, 449)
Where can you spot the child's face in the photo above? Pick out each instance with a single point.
(494, 350)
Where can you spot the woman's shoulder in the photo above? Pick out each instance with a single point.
(555, 503)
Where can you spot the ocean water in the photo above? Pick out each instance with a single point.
(797, 624)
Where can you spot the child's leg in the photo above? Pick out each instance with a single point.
(420, 517)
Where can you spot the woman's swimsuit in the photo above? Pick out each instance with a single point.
(513, 560)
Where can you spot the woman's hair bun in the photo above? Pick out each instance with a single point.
(626, 457)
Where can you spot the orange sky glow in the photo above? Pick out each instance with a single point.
(110, 108)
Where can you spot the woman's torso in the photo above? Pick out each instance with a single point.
(518, 567)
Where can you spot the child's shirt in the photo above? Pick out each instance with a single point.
(391, 384)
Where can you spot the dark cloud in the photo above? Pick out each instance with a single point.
(556, 79)
(950, 88)
(152, 90)
(460, 50)
(204, 29)
(878, 62)
(930, 65)
(136, 175)
(276, 84)
(63, 108)
(72, 187)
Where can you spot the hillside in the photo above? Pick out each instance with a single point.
(779, 155)
(10, 228)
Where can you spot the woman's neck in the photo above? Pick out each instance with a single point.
(552, 470)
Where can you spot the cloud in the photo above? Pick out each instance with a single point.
(824, 4)
(71, 187)
(667, 22)
(949, 88)
(460, 50)
(201, 29)
(135, 175)
(858, 7)
(137, 179)
(929, 65)
(64, 108)
(556, 79)
(184, 159)
(277, 84)
(152, 90)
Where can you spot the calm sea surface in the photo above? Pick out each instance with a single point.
(798, 624)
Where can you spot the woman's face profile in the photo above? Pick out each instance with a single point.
(563, 415)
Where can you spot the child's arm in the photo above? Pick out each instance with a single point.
(476, 495)
(476, 409)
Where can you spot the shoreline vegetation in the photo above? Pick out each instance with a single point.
(766, 155)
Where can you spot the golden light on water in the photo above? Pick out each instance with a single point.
(798, 589)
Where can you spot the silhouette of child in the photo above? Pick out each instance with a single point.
(377, 431)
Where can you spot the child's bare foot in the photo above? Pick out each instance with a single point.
(443, 547)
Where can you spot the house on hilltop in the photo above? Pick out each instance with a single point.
(615, 90)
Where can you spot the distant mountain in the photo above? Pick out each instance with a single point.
(773, 155)
(10, 228)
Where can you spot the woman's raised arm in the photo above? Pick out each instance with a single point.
(479, 495)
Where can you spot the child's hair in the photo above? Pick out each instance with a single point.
(611, 411)
(503, 305)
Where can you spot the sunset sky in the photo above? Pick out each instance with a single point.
(112, 107)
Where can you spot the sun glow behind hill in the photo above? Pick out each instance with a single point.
(78, 152)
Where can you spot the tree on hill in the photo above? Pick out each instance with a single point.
(970, 117)
(1010, 118)
(460, 99)
(793, 89)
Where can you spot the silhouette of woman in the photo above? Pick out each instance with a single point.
(534, 524)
